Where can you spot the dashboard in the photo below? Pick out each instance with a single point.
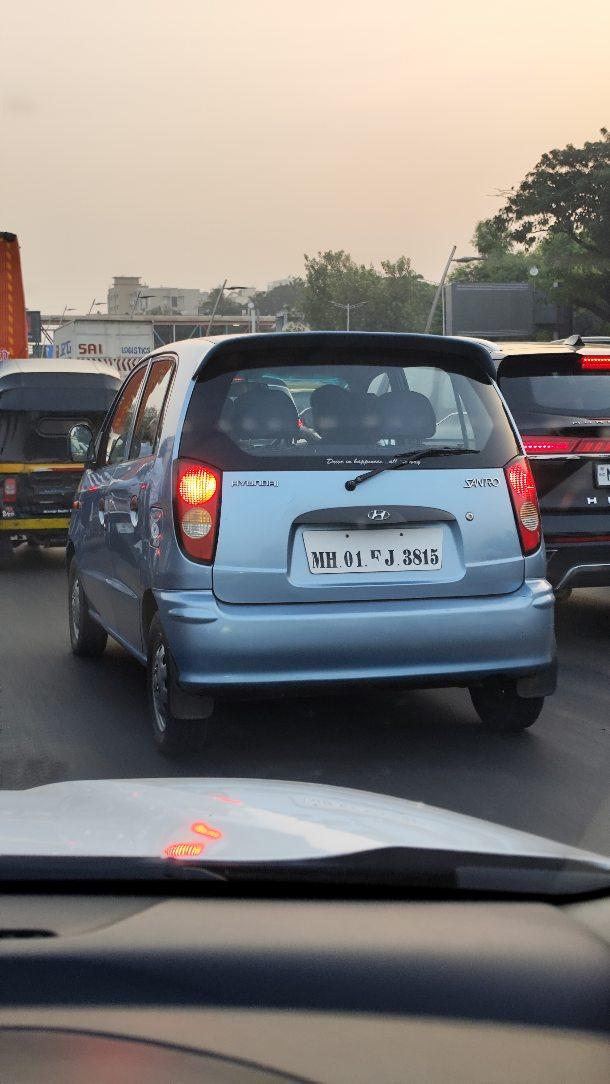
(246, 990)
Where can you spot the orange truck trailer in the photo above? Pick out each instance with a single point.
(13, 318)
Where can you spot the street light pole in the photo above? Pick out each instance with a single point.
(347, 307)
(215, 309)
(224, 288)
(439, 289)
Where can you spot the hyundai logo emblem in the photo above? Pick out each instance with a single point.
(378, 513)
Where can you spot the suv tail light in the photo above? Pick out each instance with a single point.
(523, 494)
(598, 362)
(10, 490)
(197, 508)
(565, 445)
(549, 445)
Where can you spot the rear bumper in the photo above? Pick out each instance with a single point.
(228, 649)
(49, 529)
(578, 564)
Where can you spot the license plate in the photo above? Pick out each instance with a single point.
(412, 549)
(602, 474)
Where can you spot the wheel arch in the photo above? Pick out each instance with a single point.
(148, 611)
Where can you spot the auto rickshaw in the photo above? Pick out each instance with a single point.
(40, 402)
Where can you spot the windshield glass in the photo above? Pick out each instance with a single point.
(557, 388)
(334, 414)
(305, 441)
(34, 436)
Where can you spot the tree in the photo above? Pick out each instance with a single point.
(501, 262)
(562, 211)
(228, 307)
(393, 299)
(288, 296)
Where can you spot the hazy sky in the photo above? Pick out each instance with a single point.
(188, 140)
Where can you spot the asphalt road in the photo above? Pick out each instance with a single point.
(67, 718)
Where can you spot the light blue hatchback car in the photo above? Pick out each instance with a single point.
(308, 512)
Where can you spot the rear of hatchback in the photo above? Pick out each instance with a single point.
(560, 399)
(355, 509)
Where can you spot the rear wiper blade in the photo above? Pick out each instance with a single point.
(405, 458)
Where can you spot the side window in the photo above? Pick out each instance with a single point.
(115, 441)
(151, 409)
(442, 389)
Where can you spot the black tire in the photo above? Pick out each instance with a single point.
(562, 594)
(86, 636)
(173, 737)
(501, 709)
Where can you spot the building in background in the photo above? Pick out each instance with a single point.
(129, 296)
(280, 282)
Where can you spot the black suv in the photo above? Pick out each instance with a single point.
(559, 395)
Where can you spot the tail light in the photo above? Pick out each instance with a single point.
(596, 363)
(10, 490)
(549, 445)
(565, 445)
(197, 508)
(523, 494)
(594, 447)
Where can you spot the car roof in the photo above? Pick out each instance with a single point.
(42, 366)
(196, 353)
(498, 351)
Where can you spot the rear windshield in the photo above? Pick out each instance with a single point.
(343, 413)
(535, 387)
(37, 437)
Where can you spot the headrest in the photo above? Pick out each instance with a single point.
(406, 414)
(333, 411)
(264, 413)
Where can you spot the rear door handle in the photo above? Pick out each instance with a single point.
(133, 510)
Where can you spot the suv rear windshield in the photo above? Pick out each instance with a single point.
(343, 412)
(539, 387)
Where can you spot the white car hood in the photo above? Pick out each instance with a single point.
(234, 820)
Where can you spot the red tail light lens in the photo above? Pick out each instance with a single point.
(549, 445)
(594, 447)
(596, 363)
(525, 503)
(10, 490)
(197, 508)
(565, 446)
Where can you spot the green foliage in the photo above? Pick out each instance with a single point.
(394, 298)
(228, 307)
(561, 214)
(289, 296)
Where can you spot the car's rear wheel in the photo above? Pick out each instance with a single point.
(86, 636)
(501, 709)
(173, 736)
(562, 594)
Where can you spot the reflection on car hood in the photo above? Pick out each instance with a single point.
(245, 820)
